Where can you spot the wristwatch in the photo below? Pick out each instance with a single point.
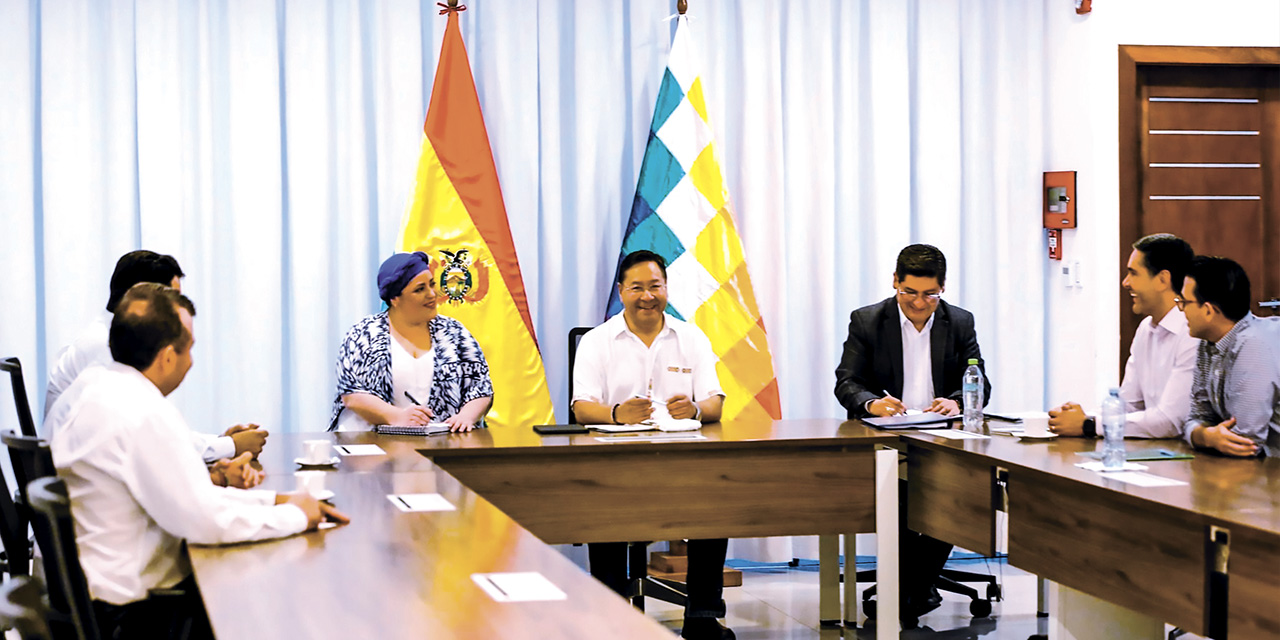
(1090, 428)
(697, 412)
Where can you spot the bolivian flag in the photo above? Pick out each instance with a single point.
(457, 217)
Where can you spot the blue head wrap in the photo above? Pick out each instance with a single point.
(396, 272)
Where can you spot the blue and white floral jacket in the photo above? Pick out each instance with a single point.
(364, 365)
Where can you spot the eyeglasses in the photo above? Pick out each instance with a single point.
(1182, 304)
(913, 295)
(654, 289)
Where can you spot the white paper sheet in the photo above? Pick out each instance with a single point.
(522, 586)
(1143, 479)
(954, 434)
(420, 502)
(1096, 465)
(651, 437)
(359, 450)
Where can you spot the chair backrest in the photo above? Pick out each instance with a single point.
(575, 336)
(56, 533)
(31, 460)
(20, 403)
(22, 608)
(13, 533)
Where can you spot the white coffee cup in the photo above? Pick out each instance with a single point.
(1036, 426)
(316, 451)
(311, 482)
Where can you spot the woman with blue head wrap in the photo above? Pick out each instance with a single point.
(409, 365)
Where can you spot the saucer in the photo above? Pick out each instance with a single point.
(1025, 436)
(323, 495)
(333, 462)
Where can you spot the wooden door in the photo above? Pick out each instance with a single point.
(1201, 159)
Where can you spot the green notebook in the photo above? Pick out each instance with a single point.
(1141, 455)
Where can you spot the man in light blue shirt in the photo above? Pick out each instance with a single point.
(1235, 390)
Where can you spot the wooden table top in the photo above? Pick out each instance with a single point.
(523, 441)
(391, 574)
(1242, 491)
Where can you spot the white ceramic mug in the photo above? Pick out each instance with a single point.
(316, 451)
(311, 482)
(1037, 426)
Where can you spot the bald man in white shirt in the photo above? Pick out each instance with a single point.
(1156, 387)
(138, 489)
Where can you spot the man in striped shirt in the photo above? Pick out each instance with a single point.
(1235, 390)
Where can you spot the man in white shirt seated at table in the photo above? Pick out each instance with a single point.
(1156, 388)
(638, 360)
(90, 348)
(138, 489)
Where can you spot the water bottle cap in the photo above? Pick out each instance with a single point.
(973, 361)
(1115, 391)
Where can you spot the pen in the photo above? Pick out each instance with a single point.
(412, 399)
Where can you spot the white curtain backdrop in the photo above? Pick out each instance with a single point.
(270, 146)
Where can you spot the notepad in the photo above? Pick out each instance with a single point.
(360, 450)
(908, 421)
(520, 586)
(412, 502)
(433, 429)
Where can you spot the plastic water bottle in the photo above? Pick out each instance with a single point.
(972, 387)
(1113, 430)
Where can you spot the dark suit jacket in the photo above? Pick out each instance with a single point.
(872, 362)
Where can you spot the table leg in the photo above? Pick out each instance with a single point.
(887, 625)
(829, 580)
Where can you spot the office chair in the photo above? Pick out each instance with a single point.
(642, 584)
(25, 422)
(950, 580)
(69, 601)
(22, 608)
(15, 560)
(31, 460)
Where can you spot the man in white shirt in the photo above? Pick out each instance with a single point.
(90, 348)
(1156, 388)
(638, 361)
(138, 489)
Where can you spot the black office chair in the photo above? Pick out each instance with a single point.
(25, 422)
(950, 580)
(642, 584)
(69, 601)
(16, 558)
(23, 609)
(31, 460)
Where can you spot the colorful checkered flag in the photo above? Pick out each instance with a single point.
(682, 213)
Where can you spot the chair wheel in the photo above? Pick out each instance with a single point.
(980, 608)
(869, 609)
(994, 593)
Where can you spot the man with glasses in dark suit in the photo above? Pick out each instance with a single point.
(909, 352)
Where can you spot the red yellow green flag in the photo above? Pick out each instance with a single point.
(457, 217)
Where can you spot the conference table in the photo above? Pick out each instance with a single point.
(1204, 555)
(394, 574)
